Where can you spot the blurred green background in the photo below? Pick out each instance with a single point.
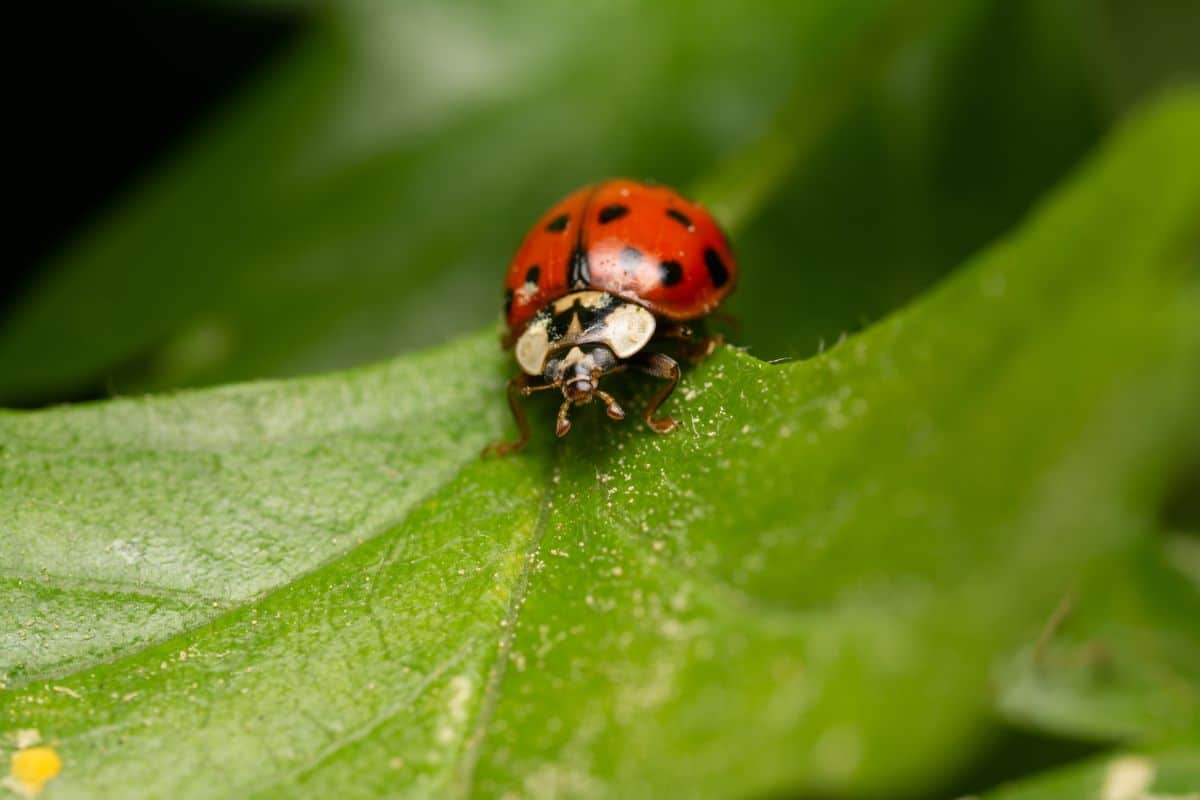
(357, 190)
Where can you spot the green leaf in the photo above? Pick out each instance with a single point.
(805, 587)
(1122, 656)
(137, 520)
(1170, 775)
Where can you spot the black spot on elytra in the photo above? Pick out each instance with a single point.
(670, 273)
(630, 259)
(716, 267)
(557, 224)
(609, 213)
(508, 301)
(532, 274)
(680, 217)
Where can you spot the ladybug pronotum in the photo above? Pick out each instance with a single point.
(610, 269)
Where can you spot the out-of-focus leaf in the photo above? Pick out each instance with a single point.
(1120, 658)
(1171, 775)
(976, 120)
(363, 200)
(1143, 44)
(825, 560)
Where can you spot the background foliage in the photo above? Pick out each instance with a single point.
(836, 579)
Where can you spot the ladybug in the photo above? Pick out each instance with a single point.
(606, 271)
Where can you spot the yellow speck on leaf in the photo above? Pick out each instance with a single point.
(32, 768)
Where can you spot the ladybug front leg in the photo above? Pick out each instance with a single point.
(518, 387)
(611, 406)
(667, 368)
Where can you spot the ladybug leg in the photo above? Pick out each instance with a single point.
(694, 346)
(518, 387)
(699, 349)
(611, 406)
(727, 319)
(679, 331)
(562, 425)
(665, 367)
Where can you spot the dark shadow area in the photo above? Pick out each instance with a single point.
(1011, 755)
(1014, 754)
(1181, 509)
(103, 91)
(105, 386)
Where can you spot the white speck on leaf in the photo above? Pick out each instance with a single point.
(994, 284)
(838, 753)
(1128, 778)
(456, 709)
(28, 737)
(129, 552)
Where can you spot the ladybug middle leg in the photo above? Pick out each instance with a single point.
(518, 387)
(665, 367)
(695, 345)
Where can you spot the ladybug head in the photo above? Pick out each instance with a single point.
(579, 389)
(578, 373)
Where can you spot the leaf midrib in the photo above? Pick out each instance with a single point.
(464, 781)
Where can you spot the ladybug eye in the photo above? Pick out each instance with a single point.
(532, 274)
(609, 213)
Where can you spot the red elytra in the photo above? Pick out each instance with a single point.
(606, 271)
(643, 243)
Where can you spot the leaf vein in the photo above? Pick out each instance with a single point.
(491, 691)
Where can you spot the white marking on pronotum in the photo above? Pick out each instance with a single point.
(625, 331)
(573, 357)
(595, 300)
(628, 329)
(533, 346)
